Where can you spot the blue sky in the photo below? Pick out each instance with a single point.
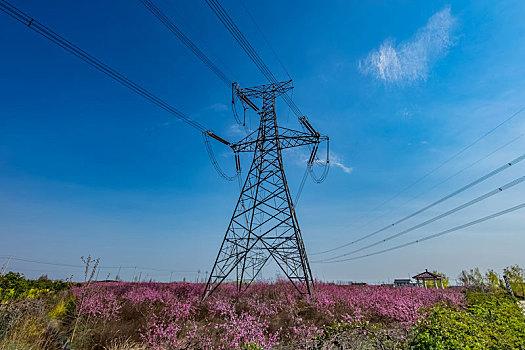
(88, 167)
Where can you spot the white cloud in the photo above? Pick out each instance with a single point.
(218, 107)
(410, 60)
(237, 129)
(405, 113)
(166, 124)
(300, 157)
(343, 167)
(335, 160)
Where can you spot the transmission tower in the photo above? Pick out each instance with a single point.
(264, 224)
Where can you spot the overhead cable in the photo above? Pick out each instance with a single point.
(186, 41)
(17, 258)
(436, 218)
(457, 172)
(324, 174)
(264, 37)
(512, 116)
(301, 186)
(439, 201)
(457, 228)
(75, 50)
(213, 160)
(226, 20)
(230, 25)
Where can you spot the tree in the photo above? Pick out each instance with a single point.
(472, 279)
(516, 277)
(493, 280)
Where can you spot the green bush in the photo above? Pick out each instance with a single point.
(14, 286)
(490, 321)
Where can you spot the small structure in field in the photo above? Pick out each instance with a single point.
(428, 276)
(404, 282)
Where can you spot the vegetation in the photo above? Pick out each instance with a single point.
(491, 281)
(44, 314)
(29, 308)
(490, 321)
(516, 277)
(14, 286)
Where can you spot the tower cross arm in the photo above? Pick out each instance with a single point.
(287, 138)
(218, 138)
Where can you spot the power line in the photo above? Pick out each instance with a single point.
(226, 20)
(264, 37)
(445, 162)
(457, 173)
(216, 70)
(215, 163)
(441, 200)
(17, 258)
(301, 186)
(75, 50)
(445, 214)
(186, 41)
(230, 25)
(457, 228)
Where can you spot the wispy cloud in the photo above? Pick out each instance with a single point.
(335, 160)
(236, 129)
(301, 157)
(162, 125)
(218, 107)
(239, 130)
(411, 60)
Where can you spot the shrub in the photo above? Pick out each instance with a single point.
(474, 280)
(490, 321)
(14, 286)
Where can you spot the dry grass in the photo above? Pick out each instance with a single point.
(29, 330)
(126, 344)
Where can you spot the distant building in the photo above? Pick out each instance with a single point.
(358, 284)
(349, 283)
(404, 282)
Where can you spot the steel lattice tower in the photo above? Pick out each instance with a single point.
(264, 224)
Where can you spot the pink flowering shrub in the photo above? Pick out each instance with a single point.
(98, 302)
(244, 329)
(172, 316)
(382, 303)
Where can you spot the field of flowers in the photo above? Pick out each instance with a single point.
(171, 316)
(105, 315)
(46, 314)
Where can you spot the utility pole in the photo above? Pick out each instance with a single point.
(264, 224)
